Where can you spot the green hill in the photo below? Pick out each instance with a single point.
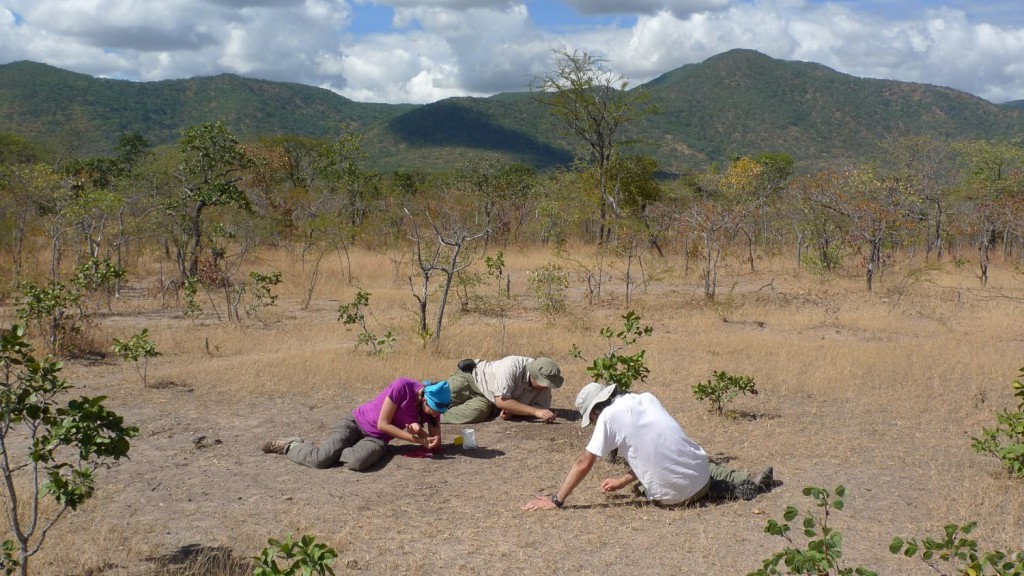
(739, 102)
(743, 102)
(44, 103)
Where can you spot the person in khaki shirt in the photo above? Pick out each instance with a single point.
(513, 386)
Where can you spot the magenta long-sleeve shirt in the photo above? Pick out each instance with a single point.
(404, 392)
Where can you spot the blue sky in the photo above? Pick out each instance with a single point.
(421, 51)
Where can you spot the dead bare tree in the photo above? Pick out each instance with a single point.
(443, 252)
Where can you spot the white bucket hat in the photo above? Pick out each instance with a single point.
(591, 395)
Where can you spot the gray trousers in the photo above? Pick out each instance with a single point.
(347, 444)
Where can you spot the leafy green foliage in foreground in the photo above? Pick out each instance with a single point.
(290, 558)
(824, 548)
(1006, 440)
(961, 552)
(66, 444)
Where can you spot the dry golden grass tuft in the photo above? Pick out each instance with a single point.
(880, 392)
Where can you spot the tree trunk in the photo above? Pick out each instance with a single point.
(195, 240)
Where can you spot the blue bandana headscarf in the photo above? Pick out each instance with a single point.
(438, 396)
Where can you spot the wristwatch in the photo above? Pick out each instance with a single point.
(554, 500)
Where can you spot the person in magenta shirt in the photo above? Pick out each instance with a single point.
(407, 410)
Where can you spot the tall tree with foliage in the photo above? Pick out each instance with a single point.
(877, 210)
(212, 167)
(993, 174)
(593, 105)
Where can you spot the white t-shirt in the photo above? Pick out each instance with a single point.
(671, 467)
(508, 378)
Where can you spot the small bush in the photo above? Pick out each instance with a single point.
(262, 297)
(615, 368)
(548, 285)
(305, 557)
(138, 349)
(723, 390)
(352, 313)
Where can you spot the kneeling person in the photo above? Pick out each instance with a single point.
(671, 468)
(512, 386)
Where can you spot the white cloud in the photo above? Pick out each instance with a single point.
(680, 8)
(940, 47)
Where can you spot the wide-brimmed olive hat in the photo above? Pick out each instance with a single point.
(545, 372)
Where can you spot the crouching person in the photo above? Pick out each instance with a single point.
(406, 410)
(670, 467)
(511, 387)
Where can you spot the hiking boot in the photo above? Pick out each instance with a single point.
(745, 490)
(278, 445)
(639, 491)
(765, 481)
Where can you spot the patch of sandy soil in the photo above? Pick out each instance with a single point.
(198, 494)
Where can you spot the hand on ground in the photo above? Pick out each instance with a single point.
(546, 416)
(613, 484)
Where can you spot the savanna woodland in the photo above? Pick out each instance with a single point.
(166, 308)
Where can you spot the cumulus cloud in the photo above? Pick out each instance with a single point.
(440, 48)
(679, 8)
(939, 46)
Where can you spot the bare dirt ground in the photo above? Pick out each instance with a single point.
(855, 390)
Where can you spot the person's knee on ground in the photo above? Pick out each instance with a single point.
(363, 455)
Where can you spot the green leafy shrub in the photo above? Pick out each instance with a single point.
(961, 552)
(290, 558)
(352, 313)
(190, 293)
(496, 269)
(261, 294)
(620, 369)
(828, 259)
(548, 285)
(54, 310)
(138, 349)
(824, 547)
(1006, 440)
(723, 390)
(98, 276)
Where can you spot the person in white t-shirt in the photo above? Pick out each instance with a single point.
(670, 467)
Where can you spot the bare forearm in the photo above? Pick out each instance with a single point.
(516, 407)
(398, 433)
(576, 474)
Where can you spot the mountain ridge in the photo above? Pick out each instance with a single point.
(739, 102)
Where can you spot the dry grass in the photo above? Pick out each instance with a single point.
(880, 392)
